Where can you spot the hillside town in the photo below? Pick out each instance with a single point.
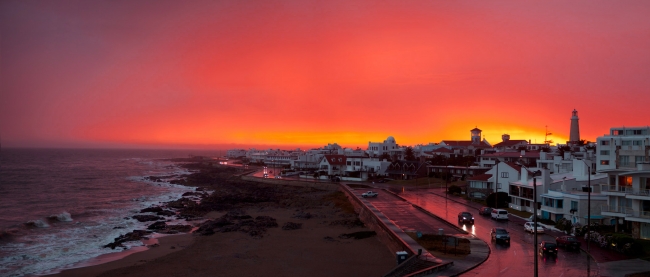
(611, 176)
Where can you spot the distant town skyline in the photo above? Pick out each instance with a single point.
(286, 74)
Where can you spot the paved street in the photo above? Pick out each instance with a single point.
(516, 259)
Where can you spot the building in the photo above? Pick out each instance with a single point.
(528, 158)
(389, 146)
(507, 144)
(334, 165)
(471, 147)
(480, 186)
(406, 170)
(574, 135)
(567, 197)
(623, 156)
(236, 153)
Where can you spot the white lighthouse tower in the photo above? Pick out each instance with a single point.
(574, 136)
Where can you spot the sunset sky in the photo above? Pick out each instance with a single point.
(306, 73)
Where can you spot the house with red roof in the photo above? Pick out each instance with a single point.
(334, 165)
(471, 147)
(480, 186)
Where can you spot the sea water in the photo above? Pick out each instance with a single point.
(58, 207)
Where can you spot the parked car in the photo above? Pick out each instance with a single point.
(500, 235)
(530, 227)
(568, 242)
(547, 247)
(465, 217)
(485, 211)
(369, 194)
(499, 214)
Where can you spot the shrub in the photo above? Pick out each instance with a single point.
(454, 189)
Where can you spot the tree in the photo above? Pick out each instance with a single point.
(563, 149)
(502, 197)
(408, 154)
(384, 156)
(454, 189)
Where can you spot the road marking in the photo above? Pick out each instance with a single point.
(504, 270)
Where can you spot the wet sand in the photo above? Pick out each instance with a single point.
(313, 250)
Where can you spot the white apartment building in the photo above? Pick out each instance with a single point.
(502, 174)
(389, 146)
(566, 198)
(623, 156)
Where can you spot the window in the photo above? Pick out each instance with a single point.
(639, 132)
(639, 159)
(604, 152)
(637, 142)
(626, 142)
(504, 174)
(629, 132)
(560, 203)
(604, 142)
(574, 205)
(604, 162)
(617, 132)
(625, 160)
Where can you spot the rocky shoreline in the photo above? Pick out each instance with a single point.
(217, 190)
(236, 227)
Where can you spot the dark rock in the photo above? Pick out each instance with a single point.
(151, 210)
(173, 229)
(131, 236)
(291, 226)
(158, 225)
(358, 235)
(266, 221)
(303, 215)
(145, 218)
(166, 213)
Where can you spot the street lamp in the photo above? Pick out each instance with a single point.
(535, 215)
(496, 187)
(588, 189)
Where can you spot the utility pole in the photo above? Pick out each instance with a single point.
(535, 217)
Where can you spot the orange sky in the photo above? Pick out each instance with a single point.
(308, 73)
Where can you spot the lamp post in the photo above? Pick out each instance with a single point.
(496, 187)
(535, 215)
(588, 215)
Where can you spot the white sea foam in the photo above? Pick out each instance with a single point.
(37, 223)
(48, 250)
(62, 217)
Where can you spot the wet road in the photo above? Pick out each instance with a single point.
(513, 260)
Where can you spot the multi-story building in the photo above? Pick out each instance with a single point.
(473, 147)
(480, 186)
(623, 155)
(389, 146)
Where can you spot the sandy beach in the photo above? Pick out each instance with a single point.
(315, 248)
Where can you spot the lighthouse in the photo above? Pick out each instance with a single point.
(574, 135)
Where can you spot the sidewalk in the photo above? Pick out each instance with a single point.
(608, 263)
(480, 250)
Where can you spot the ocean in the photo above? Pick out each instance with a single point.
(58, 207)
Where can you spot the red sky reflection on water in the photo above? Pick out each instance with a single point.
(305, 73)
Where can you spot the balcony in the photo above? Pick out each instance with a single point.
(642, 194)
(613, 210)
(638, 216)
(615, 190)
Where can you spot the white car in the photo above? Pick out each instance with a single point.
(529, 227)
(369, 194)
(497, 214)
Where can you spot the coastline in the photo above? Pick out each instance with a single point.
(316, 246)
(97, 266)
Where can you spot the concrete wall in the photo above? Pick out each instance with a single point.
(384, 235)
